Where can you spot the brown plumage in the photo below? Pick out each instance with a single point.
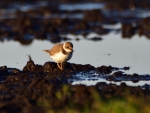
(61, 53)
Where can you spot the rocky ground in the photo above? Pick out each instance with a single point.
(44, 88)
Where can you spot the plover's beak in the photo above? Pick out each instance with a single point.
(71, 49)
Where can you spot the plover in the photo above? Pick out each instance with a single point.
(61, 53)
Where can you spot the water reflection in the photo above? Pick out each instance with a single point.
(81, 6)
(112, 51)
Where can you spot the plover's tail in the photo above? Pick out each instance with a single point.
(47, 51)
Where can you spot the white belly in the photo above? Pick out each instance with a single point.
(59, 57)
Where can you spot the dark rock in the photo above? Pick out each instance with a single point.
(49, 66)
(105, 69)
(128, 30)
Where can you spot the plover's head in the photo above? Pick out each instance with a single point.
(68, 46)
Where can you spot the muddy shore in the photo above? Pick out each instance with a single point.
(45, 88)
(31, 89)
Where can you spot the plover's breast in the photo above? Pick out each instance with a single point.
(60, 57)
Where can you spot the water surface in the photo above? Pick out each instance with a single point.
(112, 50)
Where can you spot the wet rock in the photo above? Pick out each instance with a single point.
(101, 85)
(117, 76)
(126, 68)
(3, 70)
(144, 28)
(17, 71)
(55, 39)
(94, 15)
(49, 66)
(79, 67)
(30, 66)
(105, 69)
(123, 5)
(128, 30)
(66, 39)
(123, 84)
(24, 42)
(52, 67)
(100, 30)
(81, 26)
(95, 39)
(135, 78)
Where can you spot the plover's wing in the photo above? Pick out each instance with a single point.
(56, 49)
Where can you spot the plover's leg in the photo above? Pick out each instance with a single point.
(60, 66)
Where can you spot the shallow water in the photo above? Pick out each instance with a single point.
(81, 6)
(94, 82)
(112, 50)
